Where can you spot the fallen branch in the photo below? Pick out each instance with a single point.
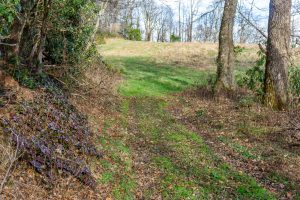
(4, 37)
(53, 76)
(13, 158)
(295, 125)
(7, 44)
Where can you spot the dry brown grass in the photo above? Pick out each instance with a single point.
(195, 54)
(99, 90)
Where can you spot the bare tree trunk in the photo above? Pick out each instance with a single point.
(36, 57)
(179, 22)
(97, 24)
(278, 60)
(148, 36)
(225, 60)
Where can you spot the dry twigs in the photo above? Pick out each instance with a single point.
(9, 158)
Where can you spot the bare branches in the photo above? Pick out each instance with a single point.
(253, 25)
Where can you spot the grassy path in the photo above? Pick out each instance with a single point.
(172, 162)
(155, 157)
(154, 153)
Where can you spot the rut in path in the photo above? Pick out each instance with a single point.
(147, 175)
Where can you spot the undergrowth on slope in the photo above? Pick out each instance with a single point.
(52, 137)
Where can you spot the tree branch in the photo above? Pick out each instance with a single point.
(253, 25)
(7, 44)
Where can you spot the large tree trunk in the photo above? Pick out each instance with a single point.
(278, 61)
(225, 60)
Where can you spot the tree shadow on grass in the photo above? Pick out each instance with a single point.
(144, 77)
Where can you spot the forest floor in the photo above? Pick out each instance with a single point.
(167, 137)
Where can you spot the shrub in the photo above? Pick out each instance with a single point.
(294, 77)
(246, 101)
(253, 79)
(134, 34)
(238, 50)
(8, 11)
(175, 38)
(24, 77)
(72, 28)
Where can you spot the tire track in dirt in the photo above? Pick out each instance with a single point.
(147, 175)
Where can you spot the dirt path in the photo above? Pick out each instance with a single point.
(147, 175)
(153, 151)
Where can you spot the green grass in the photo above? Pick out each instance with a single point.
(120, 162)
(187, 166)
(144, 77)
(118, 174)
(242, 150)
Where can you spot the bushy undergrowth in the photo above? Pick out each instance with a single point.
(175, 38)
(254, 78)
(25, 78)
(294, 74)
(71, 30)
(68, 38)
(239, 50)
(33, 81)
(52, 137)
(8, 11)
(134, 34)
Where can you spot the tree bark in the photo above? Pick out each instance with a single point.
(278, 60)
(225, 60)
(36, 56)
